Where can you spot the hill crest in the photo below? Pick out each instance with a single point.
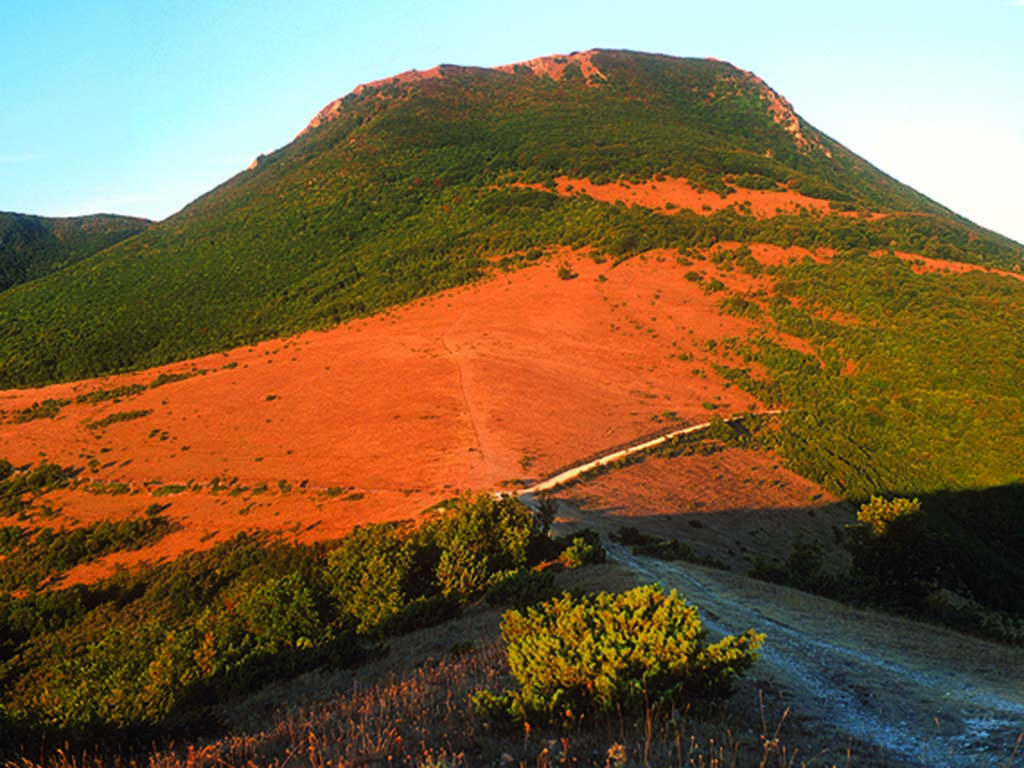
(426, 181)
(581, 65)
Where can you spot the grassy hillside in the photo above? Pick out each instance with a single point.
(34, 246)
(407, 192)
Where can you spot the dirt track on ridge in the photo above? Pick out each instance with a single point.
(907, 694)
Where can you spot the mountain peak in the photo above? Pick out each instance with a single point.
(581, 65)
(556, 67)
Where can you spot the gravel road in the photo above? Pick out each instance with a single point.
(923, 696)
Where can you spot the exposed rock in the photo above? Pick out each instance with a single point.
(545, 66)
(781, 111)
(555, 66)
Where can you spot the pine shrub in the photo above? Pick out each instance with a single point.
(577, 656)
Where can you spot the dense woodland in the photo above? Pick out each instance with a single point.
(34, 246)
(149, 653)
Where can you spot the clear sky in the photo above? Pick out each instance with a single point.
(140, 106)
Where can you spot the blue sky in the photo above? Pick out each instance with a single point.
(140, 106)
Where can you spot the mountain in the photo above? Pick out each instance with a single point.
(414, 184)
(34, 246)
(460, 281)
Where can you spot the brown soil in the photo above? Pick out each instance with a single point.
(734, 506)
(475, 389)
(674, 194)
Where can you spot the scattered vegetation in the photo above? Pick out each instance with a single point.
(117, 417)
(47, 409)
(117, 393)
(947, 557)
(583, 548)
(148, 652)
(646, 545)
(16, 486)
(43, 556)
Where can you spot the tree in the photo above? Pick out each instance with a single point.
(894, 551)
(368, 574)
(482, 537)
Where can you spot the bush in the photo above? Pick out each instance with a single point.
(645, 545)
(369, 573)
(575, 656)
(584, 549)
(804, 568)
(521, 589)
(482, 537)
(896, 555)
(421, 612)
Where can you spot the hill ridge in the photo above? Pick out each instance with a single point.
(434, 179)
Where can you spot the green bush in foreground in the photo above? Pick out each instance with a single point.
(576, 656)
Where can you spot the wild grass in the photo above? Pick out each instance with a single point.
(426, 718)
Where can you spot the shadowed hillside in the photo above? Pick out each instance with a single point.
(33, 246)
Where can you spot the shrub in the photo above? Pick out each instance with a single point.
(584, 549)
(879, 513)
(48, 409)
(895, 553)
(421, 612)
(804, 568)
(482, 537)
(368, 574)
(120, 416)
(575, 656)
(522, 588)
(663, 549)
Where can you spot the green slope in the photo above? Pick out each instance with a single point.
(397, 198)
(34, 246)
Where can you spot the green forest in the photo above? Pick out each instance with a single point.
(147, 653)
(34, 246)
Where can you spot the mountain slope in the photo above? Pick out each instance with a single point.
(34, 246)
(635, 243)
(410, 186)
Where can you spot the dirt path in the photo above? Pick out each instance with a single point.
(568, 475)
(923, 695)
(918, 694)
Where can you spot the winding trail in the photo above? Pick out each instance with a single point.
(452, 353)
(922, 695)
